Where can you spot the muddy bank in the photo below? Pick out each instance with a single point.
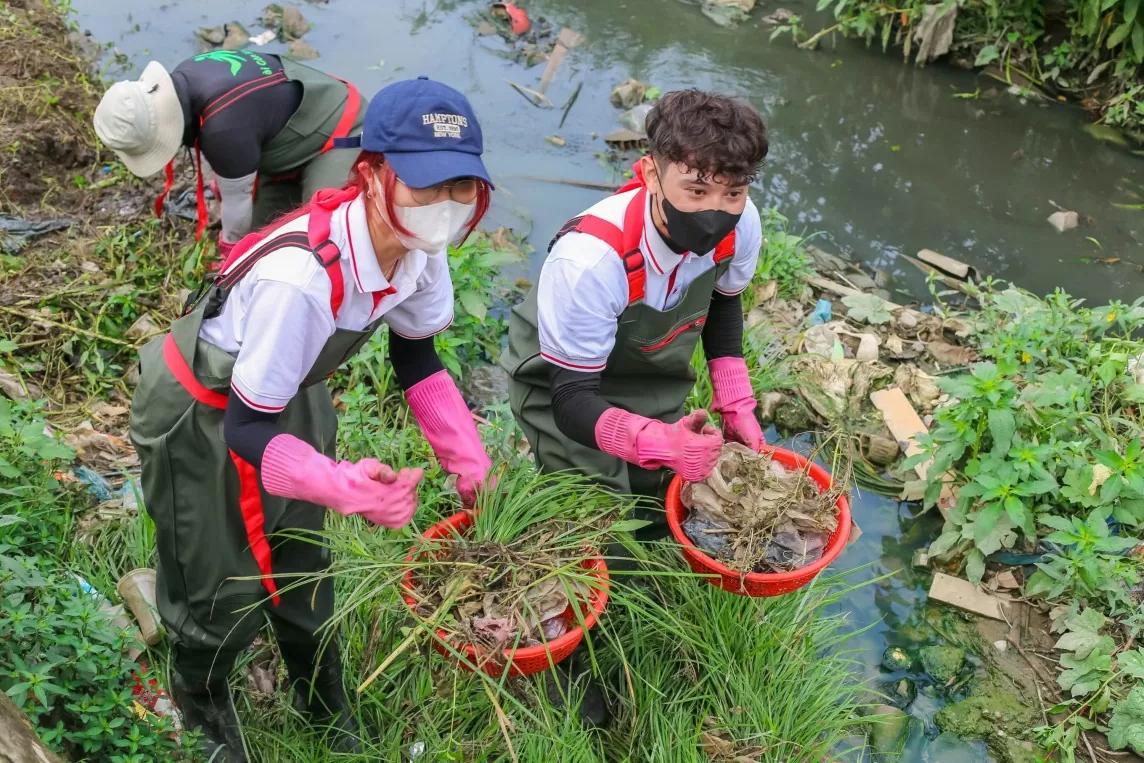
(87, 273)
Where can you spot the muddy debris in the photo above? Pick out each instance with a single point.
(301, 50)
(211, 35)
(16, 232)
(778, 16)
(769, 403)
(629, 94)
(727, 13)
(626, 140)
(99, 450)
(294, 24)
(486, 385)
(635, 118)
(236, 38)
(12, 386)
(942, 663)
(838, 389)
(1064, 220)
(934, 33)
(756, 515)
(948, 354)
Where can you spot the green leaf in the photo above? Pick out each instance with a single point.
(1119, 35)
(1055, 522)
(987, 55)
(867, 307)
(1132, 663)
(7, 345)
(629, 525)
(1134, 393)
(823, 5)
(1082, 643)
(473, 304)
(975, 566)
(986, 521)
(945, 542)
(1019, 515)
(1130, 9)
(1097, 523)
(1083, 634)
(1138, 41)
(653, 93)
(1130, 513)
(1002, 425)
(1126, 727)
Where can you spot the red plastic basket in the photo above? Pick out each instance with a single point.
(525, 660)
(760, 583)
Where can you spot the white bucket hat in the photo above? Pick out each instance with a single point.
(142, 121)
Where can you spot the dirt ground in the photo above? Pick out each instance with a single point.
(46, 100)
(70, 299)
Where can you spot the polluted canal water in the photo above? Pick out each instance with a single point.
(880, 156)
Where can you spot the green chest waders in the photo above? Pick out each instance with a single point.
(648, 372)
(218, 559)
(298, 161)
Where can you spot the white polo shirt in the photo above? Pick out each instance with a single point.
(277, 318)
(583, 286)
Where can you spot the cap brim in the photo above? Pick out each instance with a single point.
(169, 127)
(421, 169)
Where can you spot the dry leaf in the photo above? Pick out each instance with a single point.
(950, 354)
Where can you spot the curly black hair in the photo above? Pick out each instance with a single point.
(721, 137)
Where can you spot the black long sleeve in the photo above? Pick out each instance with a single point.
(247, 432)
(413, 360)
(723, 332)
(577, 404)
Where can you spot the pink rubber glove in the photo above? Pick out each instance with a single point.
(449, 427)
(734, 400)
(687, 447)
(224, 249)
(292, 468)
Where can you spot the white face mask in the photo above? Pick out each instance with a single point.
(432, 226)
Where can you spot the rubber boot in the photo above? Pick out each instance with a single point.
(574, 677)
(209, 707)
(321, 695)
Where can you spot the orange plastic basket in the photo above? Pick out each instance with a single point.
(525, 660)
(760, 583)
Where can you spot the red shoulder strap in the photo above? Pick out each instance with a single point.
(322, 207)
(633, 256)
(349, 116)
(625, 241)
(725, 249)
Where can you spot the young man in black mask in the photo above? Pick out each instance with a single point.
(600, 350)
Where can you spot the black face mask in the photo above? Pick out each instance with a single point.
(698, 232)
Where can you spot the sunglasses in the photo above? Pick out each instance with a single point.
(462, 191)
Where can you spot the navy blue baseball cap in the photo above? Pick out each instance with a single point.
(427, 131)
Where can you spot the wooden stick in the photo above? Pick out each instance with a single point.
(1084, 738)
(568, 105)
(539, 100)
